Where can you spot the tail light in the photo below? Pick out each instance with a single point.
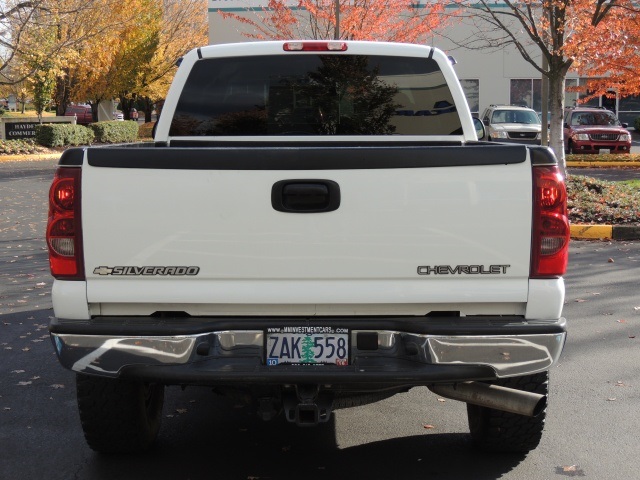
(64, 234)
(551, 233)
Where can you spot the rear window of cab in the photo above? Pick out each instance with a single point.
(315, 95)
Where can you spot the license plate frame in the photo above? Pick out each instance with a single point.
(307, 345)
(604, 151)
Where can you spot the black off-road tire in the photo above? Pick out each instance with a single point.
(498, 431)
(119, 416)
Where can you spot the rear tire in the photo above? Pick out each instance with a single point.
(119, 416)
(498, 431)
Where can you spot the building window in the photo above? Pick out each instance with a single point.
(526, 92)
(629, 109)
(471, 90)
(571, 93)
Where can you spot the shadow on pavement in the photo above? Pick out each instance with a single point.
(233, 444)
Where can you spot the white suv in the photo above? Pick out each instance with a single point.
(511, 123)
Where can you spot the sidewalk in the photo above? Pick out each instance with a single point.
(34, 157)
(596, 164)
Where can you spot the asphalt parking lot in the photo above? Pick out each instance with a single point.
(591, 429)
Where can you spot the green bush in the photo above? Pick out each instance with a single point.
(62, 134)
(115, 131)
(636, 124)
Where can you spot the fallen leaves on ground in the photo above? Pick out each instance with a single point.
(592, 200)
(570, 471)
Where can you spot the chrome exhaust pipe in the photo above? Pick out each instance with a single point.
(494, 396)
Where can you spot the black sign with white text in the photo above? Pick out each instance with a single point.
(18, 130)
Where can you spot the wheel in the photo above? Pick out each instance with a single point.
(498, 431)
(119, 416)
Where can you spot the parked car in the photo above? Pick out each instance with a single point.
(83, 113)
(133, 114)
(595, 130)
(118, 116)
(512, 123)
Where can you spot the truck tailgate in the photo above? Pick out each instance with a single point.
(205, 236)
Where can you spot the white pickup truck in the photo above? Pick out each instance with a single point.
(315, 226)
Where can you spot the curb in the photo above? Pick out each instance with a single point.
(603, 164)
(602, 232)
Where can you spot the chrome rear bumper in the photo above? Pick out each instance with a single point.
(397, 356)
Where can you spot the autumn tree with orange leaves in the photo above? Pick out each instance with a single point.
(596, 38)
(97, 49)
(381, 20)
(183, 26)
(135, 57)
(607, 50)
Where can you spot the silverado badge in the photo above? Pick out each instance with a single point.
(147, 271)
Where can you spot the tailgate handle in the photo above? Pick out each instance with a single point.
(305, 196)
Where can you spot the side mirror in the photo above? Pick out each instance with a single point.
(479, 126)
(625, 125)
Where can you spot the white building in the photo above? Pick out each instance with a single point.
(488, 77)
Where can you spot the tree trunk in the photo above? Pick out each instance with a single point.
(148, 110)
(94, 109)
(557, 75)
(126, 103)
(556, 107)
(62, 93)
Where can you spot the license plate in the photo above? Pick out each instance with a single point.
(307, 346)
(604, 150)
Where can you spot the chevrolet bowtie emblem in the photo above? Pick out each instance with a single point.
(103, 271)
